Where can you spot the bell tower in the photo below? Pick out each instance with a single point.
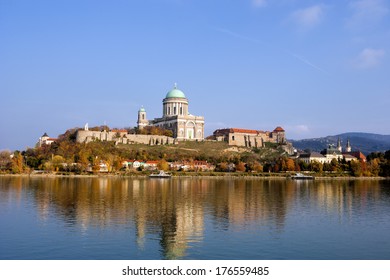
(142, 120)
(348, 147)
(339, 145)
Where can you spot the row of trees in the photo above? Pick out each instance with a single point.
(84, 156)
(149, 130)
(68, 155)
(383, 160)
(377, 164)
(13, 163)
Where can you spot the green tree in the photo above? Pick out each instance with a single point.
(356, 169)
(117, 163)
(335, 166)
(316, 166)
(387, 155)
(374, 167)
(304, 166)
(5, 160)
(385, 169)
(57, 163)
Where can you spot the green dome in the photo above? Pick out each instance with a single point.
(175, 93)
(142, 109)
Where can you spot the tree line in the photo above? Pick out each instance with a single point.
(69, 156)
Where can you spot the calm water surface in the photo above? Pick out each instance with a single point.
(193, 218)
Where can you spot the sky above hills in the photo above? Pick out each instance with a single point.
(316, 68)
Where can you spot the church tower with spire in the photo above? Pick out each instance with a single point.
(339, 145)
(348, 147)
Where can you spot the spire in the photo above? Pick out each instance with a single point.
(348, 146)
(339, 145)
(175, 85)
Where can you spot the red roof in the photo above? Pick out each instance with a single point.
(242, 130)
(359, 155)
(200, 162)
(226, 131)
(279, 129)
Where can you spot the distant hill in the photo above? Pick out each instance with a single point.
(364, 142)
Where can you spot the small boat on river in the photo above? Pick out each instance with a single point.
(162, 174)
(300, 176)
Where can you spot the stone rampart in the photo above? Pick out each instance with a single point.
(86, 136)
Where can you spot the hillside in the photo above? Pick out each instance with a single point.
(364, 142)
(211, 151)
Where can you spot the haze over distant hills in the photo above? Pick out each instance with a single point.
(364, 142)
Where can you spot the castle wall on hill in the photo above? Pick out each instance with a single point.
(86, 136)
(248, 138)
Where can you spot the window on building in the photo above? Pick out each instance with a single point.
(181, 110)
(233, 137)
(174, 110)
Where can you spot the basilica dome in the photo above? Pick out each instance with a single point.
(175, 93)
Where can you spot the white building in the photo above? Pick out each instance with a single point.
(312, 157)
(45, 140)
(176, 117)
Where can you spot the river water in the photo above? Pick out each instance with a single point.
(193, 218)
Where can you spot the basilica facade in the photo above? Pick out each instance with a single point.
(176, 117)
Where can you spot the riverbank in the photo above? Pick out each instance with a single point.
(265, 176)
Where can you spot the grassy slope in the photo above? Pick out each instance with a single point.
(211, 151)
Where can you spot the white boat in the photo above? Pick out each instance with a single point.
(300, 176)
(162, 174)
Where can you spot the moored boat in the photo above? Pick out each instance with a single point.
(161, 174)
(300, 176)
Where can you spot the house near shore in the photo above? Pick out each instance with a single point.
(136, 164)
(102, 167)
(196, 165)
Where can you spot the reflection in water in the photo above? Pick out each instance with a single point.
(175, 211)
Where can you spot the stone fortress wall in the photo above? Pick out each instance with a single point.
(250, 138)
(253, 138)
(122, 137)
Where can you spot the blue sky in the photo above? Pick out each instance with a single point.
(316, 68)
